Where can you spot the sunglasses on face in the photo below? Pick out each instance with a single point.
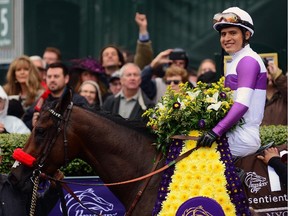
(176, 82)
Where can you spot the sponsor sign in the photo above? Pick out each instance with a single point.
(97, 198)
(265, 193)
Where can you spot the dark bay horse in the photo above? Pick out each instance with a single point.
(117, 151)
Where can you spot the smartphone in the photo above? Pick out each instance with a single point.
(177, 55)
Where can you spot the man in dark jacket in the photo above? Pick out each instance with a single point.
(57, 79)
(131, 102)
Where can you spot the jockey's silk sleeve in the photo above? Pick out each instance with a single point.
(247, 71)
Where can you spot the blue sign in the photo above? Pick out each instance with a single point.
(97, 198)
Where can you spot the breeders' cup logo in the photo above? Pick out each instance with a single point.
(90, 200)
(255, 182)
(199, 210)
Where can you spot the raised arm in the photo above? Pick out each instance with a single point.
(144, 50)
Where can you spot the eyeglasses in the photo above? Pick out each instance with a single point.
(230, 18)
(176, 82)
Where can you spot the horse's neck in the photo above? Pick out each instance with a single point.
(117, 154)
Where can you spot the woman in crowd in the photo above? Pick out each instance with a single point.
(207, 71)
(91, 91)
(23, 82)
(174, 76)
(87, 69)
(9, 123)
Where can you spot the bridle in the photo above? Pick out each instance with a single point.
(30, 161)
(61, 126)
(47, 149)
(44, 155)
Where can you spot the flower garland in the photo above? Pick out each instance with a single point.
(173, 152)
(234, 185)
(206, 172)
(200, 108)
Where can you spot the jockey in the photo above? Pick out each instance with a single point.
(246, 76)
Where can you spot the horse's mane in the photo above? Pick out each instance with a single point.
(137, 125)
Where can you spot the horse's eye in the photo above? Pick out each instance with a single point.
(40, 131)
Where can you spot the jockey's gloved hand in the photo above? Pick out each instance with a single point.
(207, 139)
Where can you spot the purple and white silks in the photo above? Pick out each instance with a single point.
(246, 76)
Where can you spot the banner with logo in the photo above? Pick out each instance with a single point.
(97, 198)
(266, 194)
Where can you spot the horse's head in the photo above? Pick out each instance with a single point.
(45, 150)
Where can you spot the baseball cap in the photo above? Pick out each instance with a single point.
(115, 76)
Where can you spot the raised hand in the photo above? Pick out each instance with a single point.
(141, 21)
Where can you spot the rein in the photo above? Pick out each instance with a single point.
(140, 192)
(179, 158)
(29, 160)
(63, 183)
(142, 189)
(147, 176)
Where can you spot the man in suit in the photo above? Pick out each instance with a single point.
(131, 101)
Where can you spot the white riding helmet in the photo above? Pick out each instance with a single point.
(233, 16)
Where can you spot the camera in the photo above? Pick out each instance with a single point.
(177, 55)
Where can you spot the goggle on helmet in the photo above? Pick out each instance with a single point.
(228, 17)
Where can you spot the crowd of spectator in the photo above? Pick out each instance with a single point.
(106, 84)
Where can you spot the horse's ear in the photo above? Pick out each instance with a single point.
(65, 100)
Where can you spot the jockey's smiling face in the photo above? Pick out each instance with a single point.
(231, 39)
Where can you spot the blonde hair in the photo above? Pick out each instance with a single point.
(176, 71)
(93, 83)
(12, 87)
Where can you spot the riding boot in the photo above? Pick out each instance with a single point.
(240, 172)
